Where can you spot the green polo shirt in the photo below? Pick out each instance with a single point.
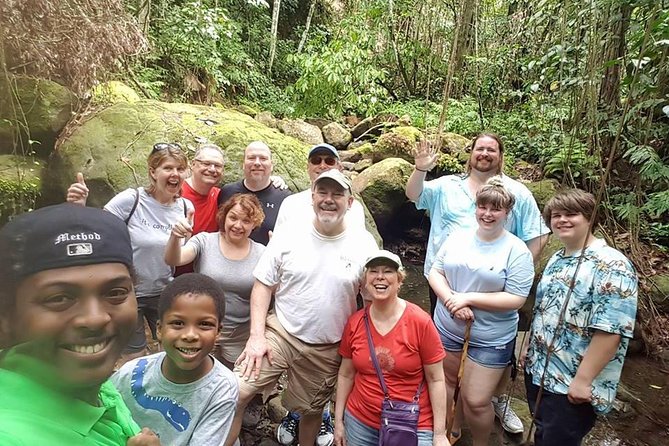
(32, 413)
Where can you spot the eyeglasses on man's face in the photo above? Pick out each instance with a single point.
(329, 160)
(209, 164)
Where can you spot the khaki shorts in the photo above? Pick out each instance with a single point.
(312, 370)
(232, 341)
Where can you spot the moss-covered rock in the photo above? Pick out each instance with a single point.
(411, 133)
(382, 188)
(19, 184)
(455, 144)
(543, 191)
(111, 92)
(301, 130)
(659, 292)
(111, 147)
(336, 134)
(392, 145)
(32, 113)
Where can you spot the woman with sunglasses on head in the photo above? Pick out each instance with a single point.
(228, 256)
(149, 212)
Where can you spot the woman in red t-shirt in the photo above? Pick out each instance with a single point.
(409, 352)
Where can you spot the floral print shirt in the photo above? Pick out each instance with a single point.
(604, 298)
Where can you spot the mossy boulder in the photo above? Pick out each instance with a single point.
(411, 133)
(111, 92)
(32, 113)
(111, 147)
(392, 145)
(455, 144)
(543, 191)
(381, 186)
(20, 184)
(336, 134)
(659, 292)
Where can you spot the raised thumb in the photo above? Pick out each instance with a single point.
(189, 215)
(80, 178)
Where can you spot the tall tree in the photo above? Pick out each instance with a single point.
(275, 29)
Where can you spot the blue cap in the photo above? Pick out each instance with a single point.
(323, 148)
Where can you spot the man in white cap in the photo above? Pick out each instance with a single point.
(316, 283)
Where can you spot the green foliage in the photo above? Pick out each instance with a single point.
(449, 164)
(572, 161)
(337, 78)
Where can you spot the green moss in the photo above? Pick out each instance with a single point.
(112, 92)
(19, 185)
(449, 164)
(411, 133)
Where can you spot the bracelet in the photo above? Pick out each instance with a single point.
(421, 170)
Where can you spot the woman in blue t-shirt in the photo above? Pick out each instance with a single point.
(481, 276)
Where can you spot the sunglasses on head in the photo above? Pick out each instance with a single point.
(160, 146)
(329, 160)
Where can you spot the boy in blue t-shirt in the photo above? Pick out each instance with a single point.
(183, 393)
(577, 353)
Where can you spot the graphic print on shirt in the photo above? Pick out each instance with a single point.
(385, 359)
(173, 412)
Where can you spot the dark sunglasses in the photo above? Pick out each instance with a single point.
(329, 160)
(160, 146)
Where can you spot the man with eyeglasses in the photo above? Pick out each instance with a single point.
(322, 157)
(270, 190)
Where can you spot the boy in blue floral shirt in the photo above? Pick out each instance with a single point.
(587, 340)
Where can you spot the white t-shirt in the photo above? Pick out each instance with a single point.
(298, 208)
(318, 279)
(149, 227)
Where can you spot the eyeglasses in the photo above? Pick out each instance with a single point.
(329, 160)
(208, 164)
(160, 146)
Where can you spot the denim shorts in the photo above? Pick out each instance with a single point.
(497, 357)
(359, 434)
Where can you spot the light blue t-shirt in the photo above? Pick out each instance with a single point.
(472, 265)
(604, 298)
(452, 207)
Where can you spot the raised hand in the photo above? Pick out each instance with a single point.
(184, 227)
(77, 193)
(425, 155)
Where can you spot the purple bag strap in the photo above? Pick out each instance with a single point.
(375, 361)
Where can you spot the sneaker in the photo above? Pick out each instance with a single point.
(510, 421)
(286, 433)
(326, 433)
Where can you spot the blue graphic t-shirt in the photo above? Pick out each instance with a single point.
(604, 298)
(197, 413)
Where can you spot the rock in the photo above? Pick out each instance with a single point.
(659, 292)
(362, 165)
(19, 184)
(347, 165)
(337, 135)
(43, 107)
(411, 133)
(382, 188)
(111, 92)
(352, 156)
(404, 120)
(246, 109)
(367, 123)
(392, 145)
(275, 410)
(301, 131)
(455, 144)
(111, 147)
(355, 144)
(318, 122)
(266, 118)
(543, 191)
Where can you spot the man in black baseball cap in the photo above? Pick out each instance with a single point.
(68, 309)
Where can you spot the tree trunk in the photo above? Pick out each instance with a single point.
(613, 50)
(398, 57)
(144, 15)
(273, 32)
(303, 40)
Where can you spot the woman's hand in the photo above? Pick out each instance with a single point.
(455, 302)
(339, 434)
(184, 227)
(425, 155)
(77, 193)
(464, 314)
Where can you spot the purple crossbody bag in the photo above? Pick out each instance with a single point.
(399, 419)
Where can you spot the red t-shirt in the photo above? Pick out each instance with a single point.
(401, 353)
(204, 219)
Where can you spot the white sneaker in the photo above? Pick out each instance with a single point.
(286, 433)
(326, 433)
(510, 421)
